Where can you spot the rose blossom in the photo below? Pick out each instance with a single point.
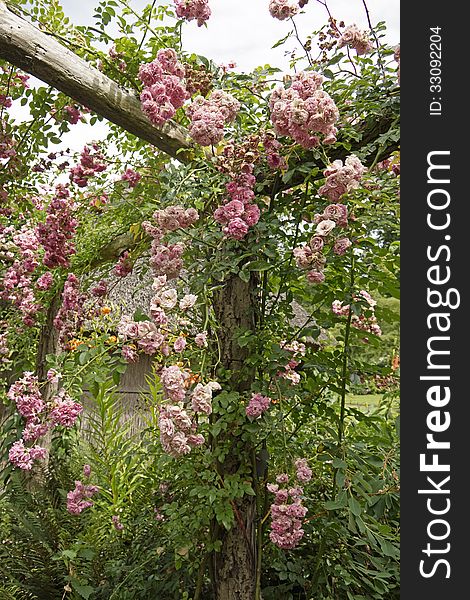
(356, 39)
(325, 227)
(190, 10)
(188, 301)
(180, 344)
(236, 229)
(283, 9)
(257, 405)
(315, 277)
(201, 339)
(341, 245)
(201, 399)
(168, 298)
(23, 457)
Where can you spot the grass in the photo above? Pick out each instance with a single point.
(369, 401)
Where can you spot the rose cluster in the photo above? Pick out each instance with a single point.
(17, 283)
(364, 322)
(287, 511)
(78, 499)
(178, 430)
(175, 217)
(40, 417)
(311, 256)
(124, 265)
(131, 177)
(23, 457)
(151, 337)
(73, 113)
(59, 228)
(356, 39)
(210, 115)
(164, 90)
(191, 10)
(144, 335)
(271, 148)
(283, 9)
(304, 111)
(238, 212)
(91, 162)
(297, 349)
(257, 405)
(70, 314)
(165, 259)
(341, 179)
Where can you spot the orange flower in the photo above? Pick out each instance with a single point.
(105, 310)
(73, 344)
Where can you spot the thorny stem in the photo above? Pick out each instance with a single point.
(307, 53)
(381, 147)
(296, 235)
(379, 58)
(147, 28)
(147, 25)
(333, 24)
(344, 372)
(264, 286)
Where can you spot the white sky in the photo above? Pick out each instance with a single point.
(242, 31)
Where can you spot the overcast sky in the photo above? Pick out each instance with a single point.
(242, 31)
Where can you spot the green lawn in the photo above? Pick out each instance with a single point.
(368, 401)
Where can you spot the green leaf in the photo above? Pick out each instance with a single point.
(87, 553)
(140, 316)
(244, 276)
(258, 265)
(355, 506)
(85, 591)
(340, 502)
(387, 548)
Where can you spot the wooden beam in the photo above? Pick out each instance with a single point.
(26, 47)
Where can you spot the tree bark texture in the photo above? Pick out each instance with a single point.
(234, 567)
(48, 337)
(27, 47)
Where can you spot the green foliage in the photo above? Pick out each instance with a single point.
(174, 512)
